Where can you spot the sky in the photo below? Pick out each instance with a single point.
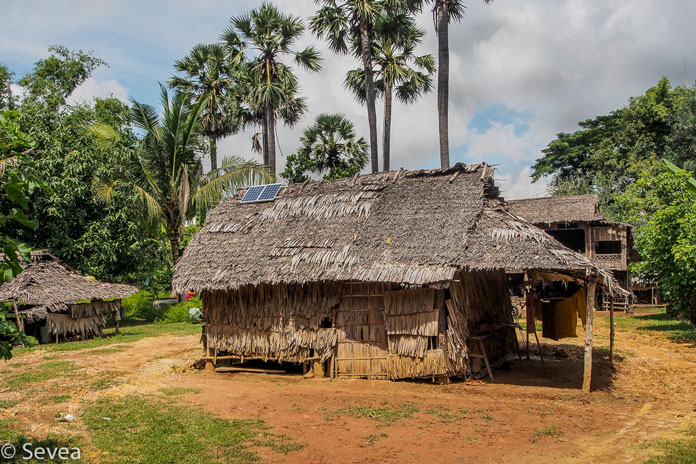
(520, 71)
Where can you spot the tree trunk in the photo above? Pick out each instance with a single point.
(270, 117)
(174, 242)
(443, 82)
(213, 153)
(264, 136)
(386, 136)
(369, 92)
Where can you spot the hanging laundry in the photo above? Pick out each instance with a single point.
(560, 318)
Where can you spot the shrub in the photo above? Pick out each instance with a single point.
(180, 311)
(140, 305)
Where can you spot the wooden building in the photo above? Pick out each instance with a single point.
(54, 301)
(387, 276)
(577, 222)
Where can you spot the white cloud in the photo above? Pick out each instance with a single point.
(513, 188)
(92, 88)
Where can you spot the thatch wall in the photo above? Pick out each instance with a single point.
(84, 319)
(371, 330)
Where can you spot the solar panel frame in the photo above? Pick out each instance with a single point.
(270, 192)
(253, 193)
(261, 193)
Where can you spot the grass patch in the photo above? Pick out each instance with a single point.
(384, 415)
(548, 431)
(278, 443)
(445, 415)
(43, 372)
(371, 440)
(149, 430)
(7, 404)
(681, 451)
(659, 324)
(57, 399)
(174, 391)
(115, 349)
(105, 383)
(130, 332)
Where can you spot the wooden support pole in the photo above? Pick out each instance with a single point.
(587, 374)
(20, 326)
(611, 328)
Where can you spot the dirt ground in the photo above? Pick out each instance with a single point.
(533, 412)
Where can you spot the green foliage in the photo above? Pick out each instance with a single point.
(139, 305)
(679, 451)
(610, 152)
(10, 336)
(181, 433)
(180, 311)
(41, 373)
(330, 144)
(666, 241)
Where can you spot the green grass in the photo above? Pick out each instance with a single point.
(445, 415)
(384, 415)
(115, 349)
(682, 451)
(149, 430)
(658, 323)
(372, 439)
(57, 399)
(174, 391)
(548, 431)
(41, 373)
(105, 382)
(7, 404)
(130, 331)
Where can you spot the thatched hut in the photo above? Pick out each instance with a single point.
(56, 301)
(577, 222)
(385, 275)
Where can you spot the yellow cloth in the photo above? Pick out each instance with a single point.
(567, 312)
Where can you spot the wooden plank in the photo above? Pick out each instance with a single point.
(587, 373)
(611, 329)
(249, 369)
(20, 326)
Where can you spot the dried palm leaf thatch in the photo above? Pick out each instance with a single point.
(413, 228)
(408, 345)
(433, 364)
(48, 285)
(560, 209)
(63, 325)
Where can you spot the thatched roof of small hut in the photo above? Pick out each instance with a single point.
(560, 209)
(47, 284)
(409, 227)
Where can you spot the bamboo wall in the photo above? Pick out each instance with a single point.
(371, 330)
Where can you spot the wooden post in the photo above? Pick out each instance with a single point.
(20, 326)
(587, 374)
(611, 328)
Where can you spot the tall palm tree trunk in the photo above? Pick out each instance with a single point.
(264, 136)
(270, 117)
(213, 153)
(370, 93)
(386, 136)
(443, 81)
(174, 242)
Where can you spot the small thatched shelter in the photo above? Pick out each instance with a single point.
(55, 299)
(381, 276)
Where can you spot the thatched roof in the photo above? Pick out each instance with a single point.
(409, 227)
(560, 209)
(46, 284)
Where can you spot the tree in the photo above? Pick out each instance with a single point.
(397, 68)
(270, 35)
(166, 170)
(6, 98)
(666, 239)
(444, 11)
(610, 152)
(344, 25)
(330, 144)
(209, 74)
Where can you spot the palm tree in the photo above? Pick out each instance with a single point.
(166, 170)
(330, 144)
(343, 25)
(209, 74)
(445, 11)
(397, 68)
(270, 35)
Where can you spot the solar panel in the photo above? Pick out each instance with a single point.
(270, 192)
(259, 193)
(253, 193)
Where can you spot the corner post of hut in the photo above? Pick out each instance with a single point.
(611, 327)
(587, 374)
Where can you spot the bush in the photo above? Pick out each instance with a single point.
(180, 311)
(139, 306)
